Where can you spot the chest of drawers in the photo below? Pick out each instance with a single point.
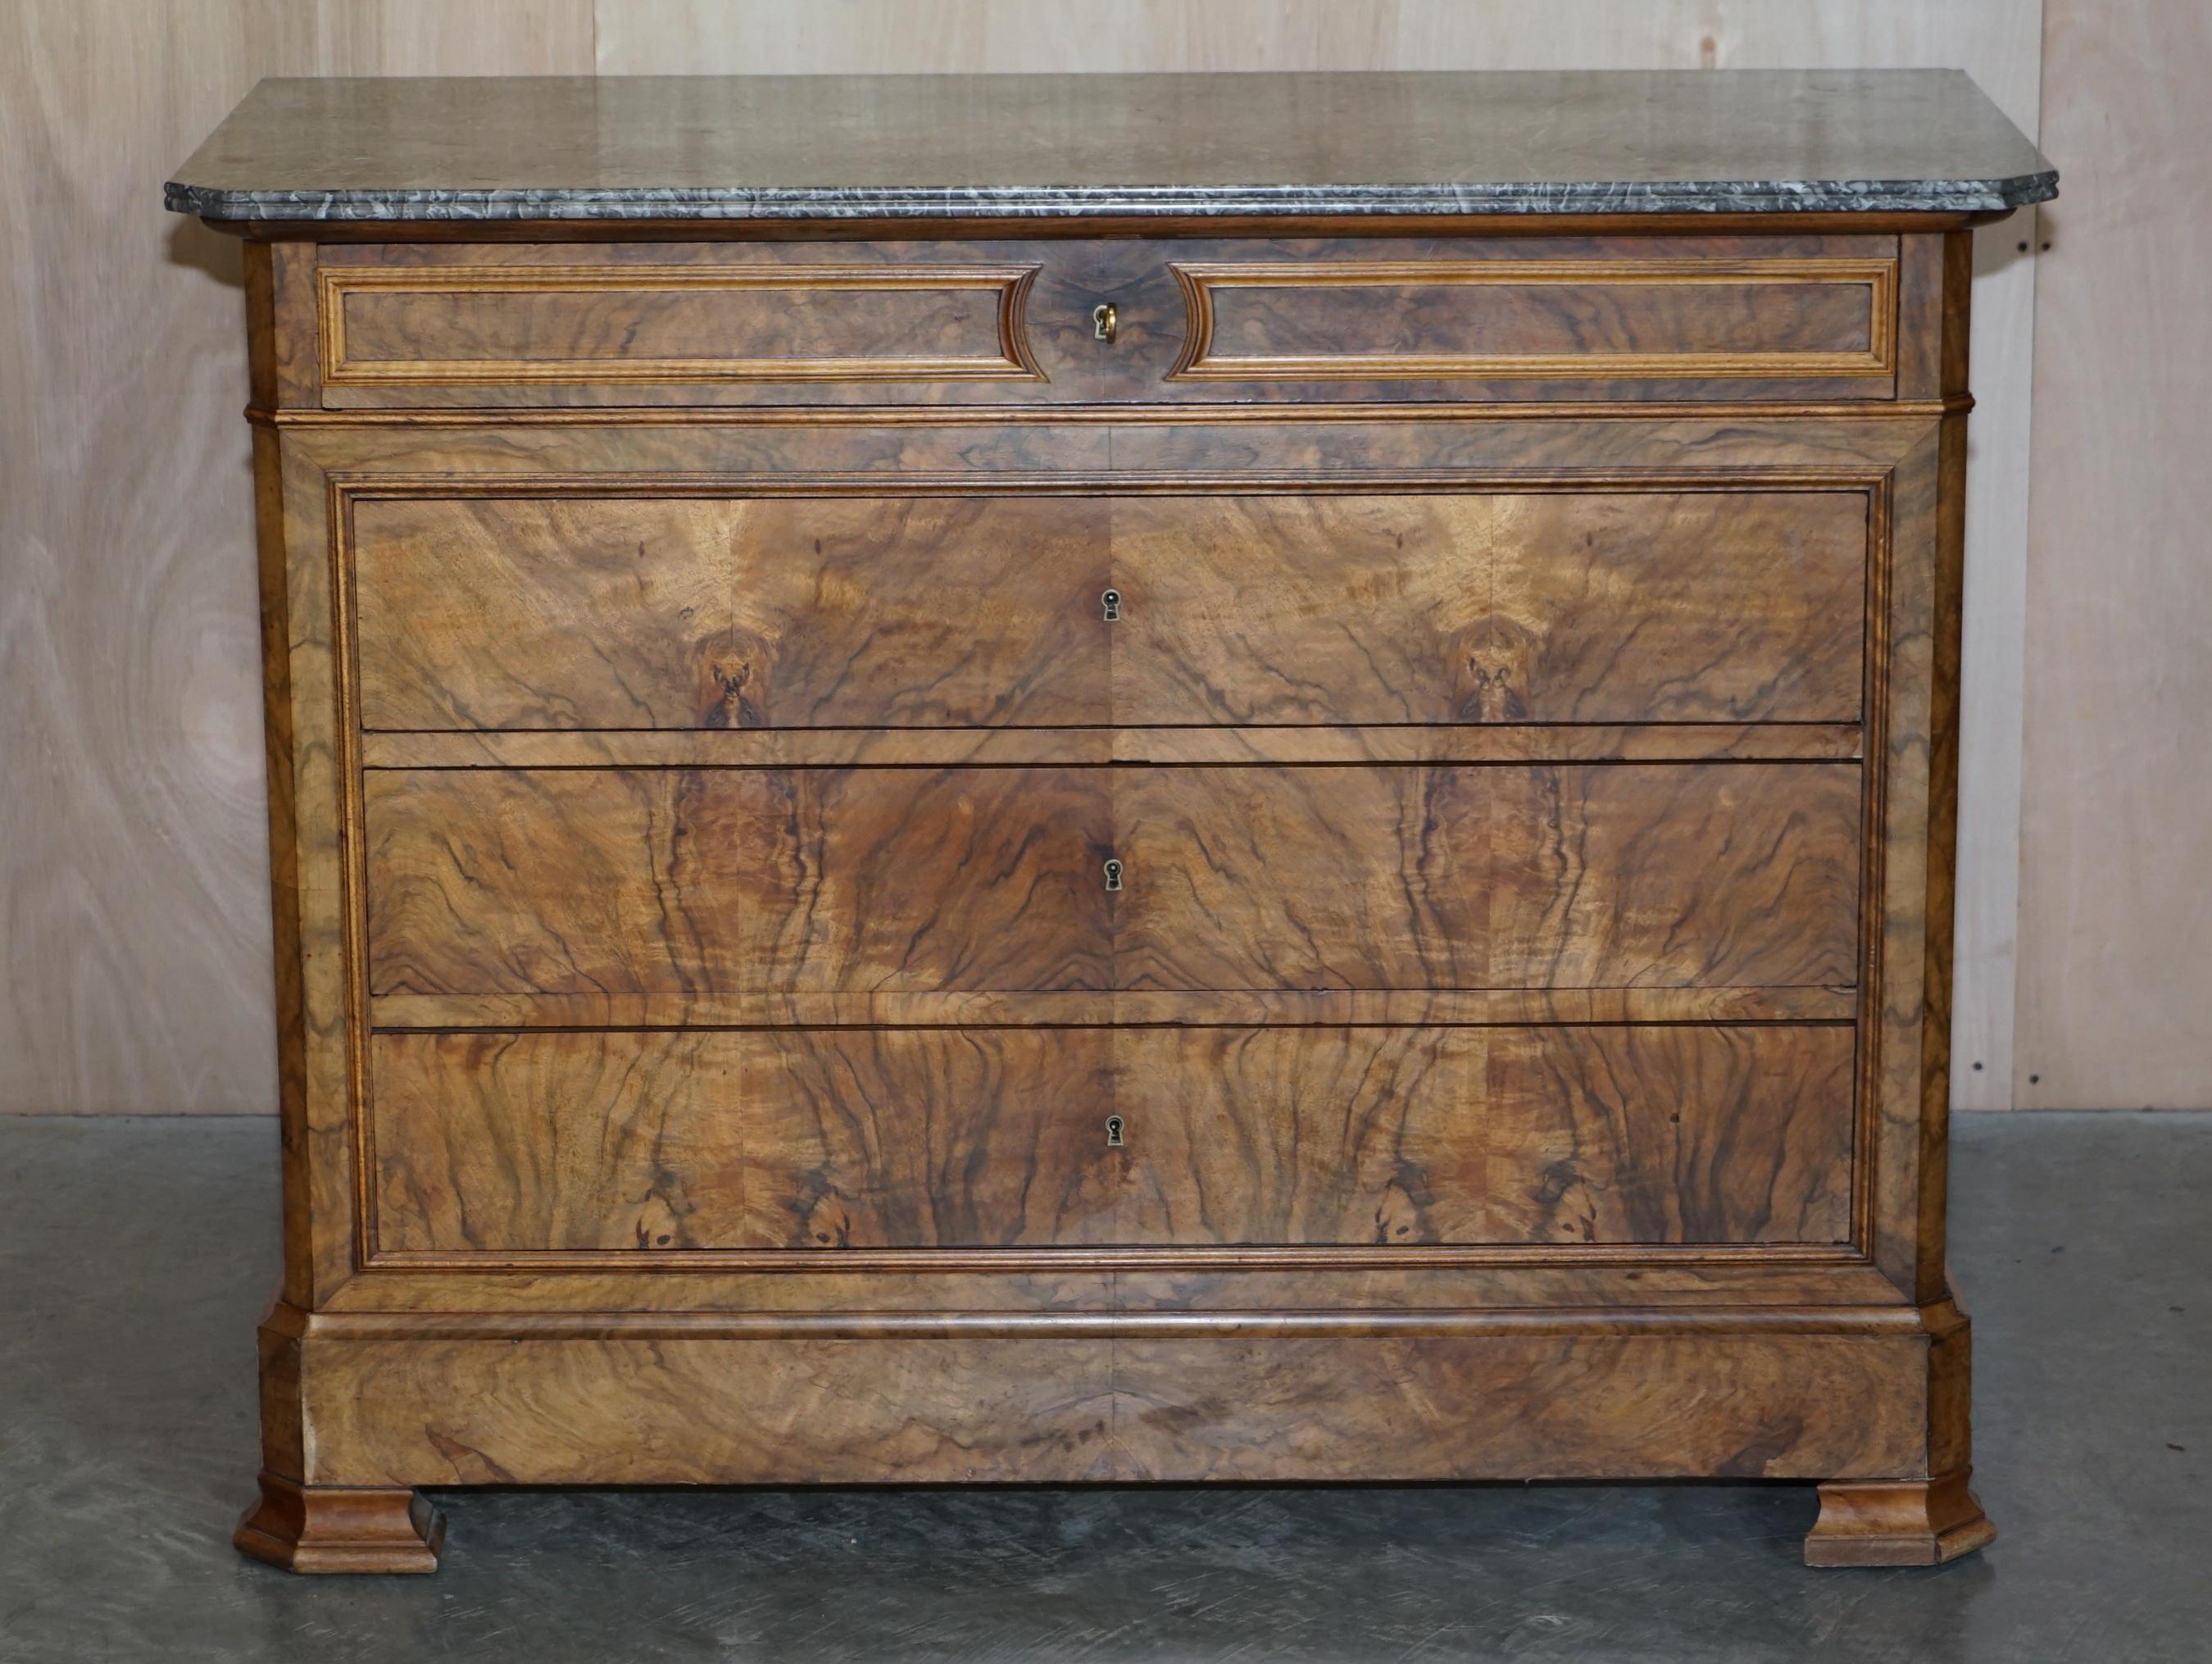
(978, 828)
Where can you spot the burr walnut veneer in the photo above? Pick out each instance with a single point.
(1112, 844)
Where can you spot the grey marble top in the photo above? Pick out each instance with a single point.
(922, 147)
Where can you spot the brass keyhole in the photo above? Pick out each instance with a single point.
(1111, 601)
(1113, 1132)
(1113, 875)
(1102, 321)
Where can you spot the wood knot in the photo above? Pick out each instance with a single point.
(728, 678)
(828, 1224)
(1492, 673)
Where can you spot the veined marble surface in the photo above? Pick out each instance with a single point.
(953, 147)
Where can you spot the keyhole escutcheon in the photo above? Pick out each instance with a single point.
(1114, 1132)
(1110, 603)
(1113, 875)
(1103, 321)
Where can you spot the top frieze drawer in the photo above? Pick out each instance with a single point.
(1138, 320)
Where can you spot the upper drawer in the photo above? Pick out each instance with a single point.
(1463, 317)
(680, 612)
(613, 611)
(1192, 321)
(702, 325)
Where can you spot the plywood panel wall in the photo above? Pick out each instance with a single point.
(2116, 875)
(134, 913)
(133, 921)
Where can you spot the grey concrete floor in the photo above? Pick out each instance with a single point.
(135, 1255)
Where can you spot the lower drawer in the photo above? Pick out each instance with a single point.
(643, 1142)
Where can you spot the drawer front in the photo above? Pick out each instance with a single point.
(1612, 875)
(683, 881)
(1195, 321)
(910, 1138)
(1567, 606)
(1466, 316)
(941, 611)
(791, 1138)
(690, 613)
(742, 881)
(1402, 1136)
(613, 323)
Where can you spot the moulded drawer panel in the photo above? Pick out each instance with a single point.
(683, 881)
(607, 612)
(771, 1139)
(612, 611)
(1407, 1136)
(624, 321)
(1558, 607)
(1615, 875)
(1196, 321)
(739, 880)
(1465, 317)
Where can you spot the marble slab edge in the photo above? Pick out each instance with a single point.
(1038, 202)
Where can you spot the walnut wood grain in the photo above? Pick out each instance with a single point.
(1505, 877)
(1396, 1135)
(603, 322)
(1593, 314)
(422, 1411)
(1624, 1288)
(1671, 844)
(785, 1139)
(306, 731)
(650, 1412)
(1582, 606)
(1671, 1134)
(499, 324)
(1118, 450)
(793, 1138)
(626, 612)
(1408, 336)
(644, 612)
(679, 881)
(1735, 1406)
(1356, 318)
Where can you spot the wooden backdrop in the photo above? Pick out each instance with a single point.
(133, 922)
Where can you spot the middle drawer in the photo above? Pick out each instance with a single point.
(690, 882)
(1322, 607)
